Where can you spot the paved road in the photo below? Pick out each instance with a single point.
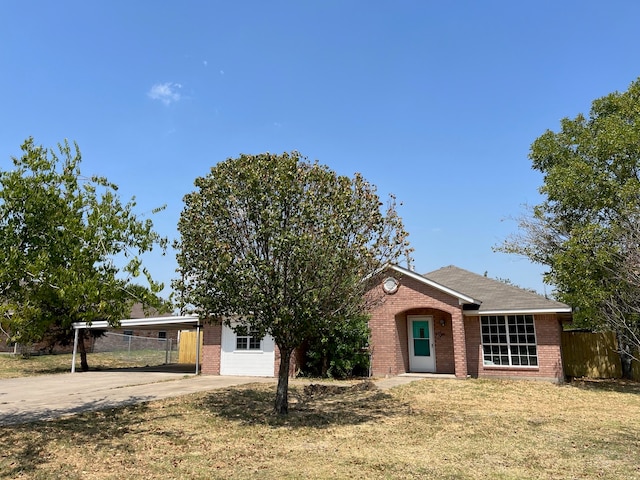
(45, 397)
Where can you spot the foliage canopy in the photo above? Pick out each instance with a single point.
(582, 230)
(61, 238)
(284, 246)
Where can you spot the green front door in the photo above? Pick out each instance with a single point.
(421, 344)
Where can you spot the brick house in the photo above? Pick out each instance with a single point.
(457, 322)
(448, 321)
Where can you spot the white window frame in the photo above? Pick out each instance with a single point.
(516, 342)
(249, 341)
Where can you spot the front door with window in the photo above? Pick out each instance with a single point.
(422, 357)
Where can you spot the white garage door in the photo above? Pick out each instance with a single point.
(246, 355)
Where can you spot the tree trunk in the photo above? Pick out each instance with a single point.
(325, 364)
(626, 358)
(84, 365)
(282, 393)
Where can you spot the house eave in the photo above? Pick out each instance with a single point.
(519, 311)
(140, 322)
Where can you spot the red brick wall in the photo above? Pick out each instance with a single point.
(171, 334)
(388, 324)
(212, 339)
(548, 331)
(294, 365)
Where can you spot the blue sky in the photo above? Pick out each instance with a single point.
(437, 102)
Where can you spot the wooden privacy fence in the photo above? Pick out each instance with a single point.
(187, 347)
(594, 355)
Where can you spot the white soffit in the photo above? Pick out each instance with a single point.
(186, 320)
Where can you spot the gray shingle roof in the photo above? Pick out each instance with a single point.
(494, 295)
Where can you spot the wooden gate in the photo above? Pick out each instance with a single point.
(187, 347)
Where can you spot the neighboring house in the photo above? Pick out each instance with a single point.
(138, 311)
(449, 321)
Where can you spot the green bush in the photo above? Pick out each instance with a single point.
(339, 353)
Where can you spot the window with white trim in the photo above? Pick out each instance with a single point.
(509, 340)
(248, 340)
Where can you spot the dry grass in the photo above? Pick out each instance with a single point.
(16, 366)
(436, 429)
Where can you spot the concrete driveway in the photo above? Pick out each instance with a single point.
(45, 397)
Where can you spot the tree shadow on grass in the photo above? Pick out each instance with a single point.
(607, 385)
(24, 447)
(315, 406)
(43, 414)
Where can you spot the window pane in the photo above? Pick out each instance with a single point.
(509, 340)
(421, 347)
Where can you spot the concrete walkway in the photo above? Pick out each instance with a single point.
(404, 378)
(44, 397)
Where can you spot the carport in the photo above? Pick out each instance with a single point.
(149, 323)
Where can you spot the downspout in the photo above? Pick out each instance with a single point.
(198, 348)
(75, 349)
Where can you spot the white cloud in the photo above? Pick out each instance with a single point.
(205, 63)
(165, 92)
(221, 72)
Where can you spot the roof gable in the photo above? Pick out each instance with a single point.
(462, 298)
(495, 296)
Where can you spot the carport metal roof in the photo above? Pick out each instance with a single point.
(149, 323)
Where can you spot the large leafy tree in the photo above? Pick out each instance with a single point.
(285, 247)
(581, 231)
(70, 248)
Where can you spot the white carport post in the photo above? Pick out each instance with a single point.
(75, 349)
(198, 348)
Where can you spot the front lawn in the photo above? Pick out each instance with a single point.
(430, 429)
(16, 366)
